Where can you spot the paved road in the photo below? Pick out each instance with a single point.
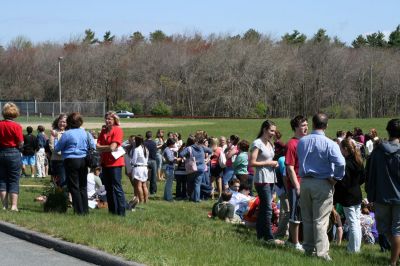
(15, 252)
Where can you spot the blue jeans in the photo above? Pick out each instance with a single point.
(263, 225)
(111, 177)
(169, 173)
(353, 214)
(194, 184)
(228, 175)
(10, 169)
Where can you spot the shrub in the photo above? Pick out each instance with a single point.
(122, 105)
(56, 200)
(137, 108)
(161, 109)
(261, 110)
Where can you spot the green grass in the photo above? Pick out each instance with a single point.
(180, 233)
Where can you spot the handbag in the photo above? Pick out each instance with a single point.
(190, 163)
(93, 156)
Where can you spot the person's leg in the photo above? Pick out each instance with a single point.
(307, 215)
(184, 186)
(106, 178)
(190, 185)
(145, 192)
(197, 185)
(152, 164)
(14, 201)
(261, 218)
(72, 169)
(227, 176)
(322, 191)
(284, 215)
(83, 172)
(139, 190)
(352, 214)
(32, 164)
(4, 199)
(119, 194)
(169, 183)
(395, 234)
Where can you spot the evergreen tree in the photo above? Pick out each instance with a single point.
(394, 37)
(89, 37)
(359, 42)
(294, 38)
(108, 38)
(252, 35)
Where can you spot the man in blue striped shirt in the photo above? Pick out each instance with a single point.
(321, 164)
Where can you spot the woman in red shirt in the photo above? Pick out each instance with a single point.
(109, 140)
(11, 139)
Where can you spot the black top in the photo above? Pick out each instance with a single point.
(152, 147)
(30, 145)
(348, 190)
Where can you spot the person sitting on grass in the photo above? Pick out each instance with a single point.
(94, 187)
(223, 209)
(240, 200)
(335, 227)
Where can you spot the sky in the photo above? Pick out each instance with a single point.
(62, 20)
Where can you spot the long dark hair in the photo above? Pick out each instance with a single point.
(265, 125)
(139, 142)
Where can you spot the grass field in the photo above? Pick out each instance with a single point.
(180, 233)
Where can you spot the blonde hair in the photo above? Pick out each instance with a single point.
(214, 141)
(10, 111)
(113, 115)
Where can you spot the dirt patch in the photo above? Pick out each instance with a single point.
(95, 125)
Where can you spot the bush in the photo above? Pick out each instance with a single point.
(161, 109)
(56, 200)
(337, 111)
(122, 105)
(137, 108)
(261, 110)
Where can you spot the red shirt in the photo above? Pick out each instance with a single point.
(10, 134)
(106, 138)
(292, 159)
(229, 162)
(215, 156)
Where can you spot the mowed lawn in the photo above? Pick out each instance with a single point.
(180, 233)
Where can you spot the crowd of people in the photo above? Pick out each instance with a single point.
(308, 190)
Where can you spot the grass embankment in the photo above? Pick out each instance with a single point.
(180, 233)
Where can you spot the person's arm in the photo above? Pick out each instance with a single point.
(60, 143)
(339, 235)
(97, 181)
(293, 178)
(336, 157)
(254, 163)
(184, 153)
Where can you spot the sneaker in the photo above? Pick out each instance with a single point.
(133, 202)
(325, 257)
(276, 242)
(299, 247)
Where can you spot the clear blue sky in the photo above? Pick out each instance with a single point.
(59, 21)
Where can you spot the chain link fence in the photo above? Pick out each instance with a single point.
(35, 108)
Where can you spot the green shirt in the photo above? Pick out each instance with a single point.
(240, 164)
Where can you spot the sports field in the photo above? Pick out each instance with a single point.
(180, 233)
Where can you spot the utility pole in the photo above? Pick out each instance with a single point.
(59, 80)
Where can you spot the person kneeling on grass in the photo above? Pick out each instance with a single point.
(95, 188)
(225, 210)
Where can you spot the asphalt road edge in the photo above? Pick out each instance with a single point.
(81, 252)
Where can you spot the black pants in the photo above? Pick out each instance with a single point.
(76, 172)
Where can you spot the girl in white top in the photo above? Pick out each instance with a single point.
(139, 170)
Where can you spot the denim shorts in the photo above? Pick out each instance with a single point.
(28, 160)
(10, 169)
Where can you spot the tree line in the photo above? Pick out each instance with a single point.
(216, 75)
